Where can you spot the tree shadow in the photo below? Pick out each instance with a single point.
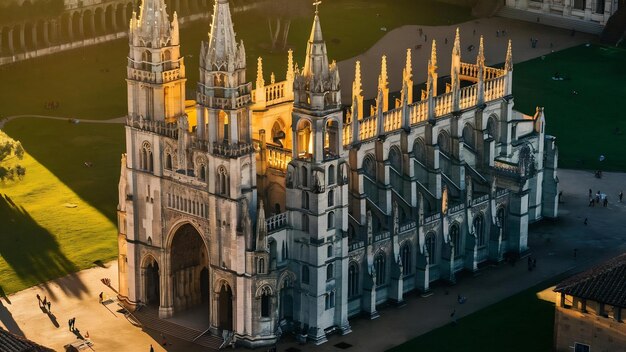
(33, 253)
(4, 295)
(7, 319)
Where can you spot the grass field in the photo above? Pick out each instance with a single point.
(523, 322)
(43, 235)
(90, 82)
(585, 123)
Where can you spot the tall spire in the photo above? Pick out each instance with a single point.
(152, 25)
(407, 77)
(431, 86)
(383, 79)
(357, 94)
(456, 49)
(508, 64)
(316, 62)
(222, 46)
(290, 73)
(357, 86)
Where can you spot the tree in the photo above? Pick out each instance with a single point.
(279, 15)
(11, 151)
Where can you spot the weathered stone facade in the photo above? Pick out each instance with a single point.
(362, 208)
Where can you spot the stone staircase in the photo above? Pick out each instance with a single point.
(551, 20)
(149, 319)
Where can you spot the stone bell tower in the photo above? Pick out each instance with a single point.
(317, 191)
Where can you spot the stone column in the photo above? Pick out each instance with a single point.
(81, 29)
(166, 308)
(113, 20)
(10, 43)
(46, 35)
(33, 35)
(23, 37)
(103, 23)
(92, 24)
(1, 33)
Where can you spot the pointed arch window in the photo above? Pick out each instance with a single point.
(330, 272)
(479, 230)
(222, 181)
(455, 239)
(305, 274)
(405, 259)
(331, 175)
(380, 264)
(331, 198)
(501, 219)
(353, 280)
(168, 161)
(266, 302)
(202, 173)
(430, 247)
(331, 220)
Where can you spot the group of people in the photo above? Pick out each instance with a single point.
(601, 197)
(51, 105)
(532, 263)
(45, 304)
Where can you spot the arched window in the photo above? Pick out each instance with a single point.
(369, 167)
(265, 302)
(305, 274)
(222, 181)
(304, 176)
(261, 268)
(330, 272)
(492, 127)
(202, 173)
(330, 300)
(444, 142)
(405, 257)
(479, 230)
(395, 173)
(304, 139)
(278, 133)
(501, 218)
(168, 161)
(284, 251)
(329, 251)
(331, 174)
(331, 140)
(353, 280)
(146, 157)
(430, 247)
(468, 136)
(418, 151)
(305, 200)
(331, 198)
(455, 239)
(381, 266)
(305, 222)
(331, 220)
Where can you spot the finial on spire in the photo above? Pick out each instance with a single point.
(480, 59)
(260, 82)
(317, 4)
(357, 87)
(408, 66)
(290, 71)
(508, 64)
(433, 55)
(457, 43)
(383, 81)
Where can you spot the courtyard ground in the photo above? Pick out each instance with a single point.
(552, 244)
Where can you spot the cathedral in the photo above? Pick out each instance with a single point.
(277, 207)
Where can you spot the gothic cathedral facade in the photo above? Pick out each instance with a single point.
(279, 208)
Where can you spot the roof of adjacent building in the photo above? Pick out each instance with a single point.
(10, 342)
(604, 283)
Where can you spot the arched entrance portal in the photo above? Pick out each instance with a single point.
(189, 262)
(286, 301)
(153, 292)
(226, 308)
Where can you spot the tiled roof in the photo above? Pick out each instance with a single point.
(10, 342)
(605, 283)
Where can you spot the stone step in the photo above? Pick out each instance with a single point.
(149, 319)
(551, 20)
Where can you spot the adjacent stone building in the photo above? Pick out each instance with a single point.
(280, 206)
(590, 309)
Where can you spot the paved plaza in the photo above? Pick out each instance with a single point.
(552, 243)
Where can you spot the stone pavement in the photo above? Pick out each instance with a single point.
(551, 242)
(395, 43)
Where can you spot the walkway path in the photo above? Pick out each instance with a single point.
(10, 118)
(552, 243)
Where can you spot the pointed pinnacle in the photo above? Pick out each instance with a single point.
(457, 43)
(508, 64)
(433, 55)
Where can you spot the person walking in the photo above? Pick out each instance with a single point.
(49, 304)
(73, 323)
(585, 222)
(100, 296)
(621, 195)
(69, 324)
(39, 300)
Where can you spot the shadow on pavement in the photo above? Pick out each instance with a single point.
(7, 319)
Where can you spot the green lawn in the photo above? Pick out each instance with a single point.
(584, 124)
(522, 322)
(90, 82)
(43, 235)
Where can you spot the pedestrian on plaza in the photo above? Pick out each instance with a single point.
(497, 33)
(69, 324)
(590, 193)
(87, 334)
(585, 224)
(446, 40)
(44, 302)
(453, 316)
(530, 264)
(621, 195)
(163, 340)
(606, 202)
(100, 297)
(39, 300)
(151, 348)
(591, 202)
(49, 304)
(474, 31)
(74, 323)
(534, 263)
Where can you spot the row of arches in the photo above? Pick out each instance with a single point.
(81, 24)
(305, 139)
(431, 246)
